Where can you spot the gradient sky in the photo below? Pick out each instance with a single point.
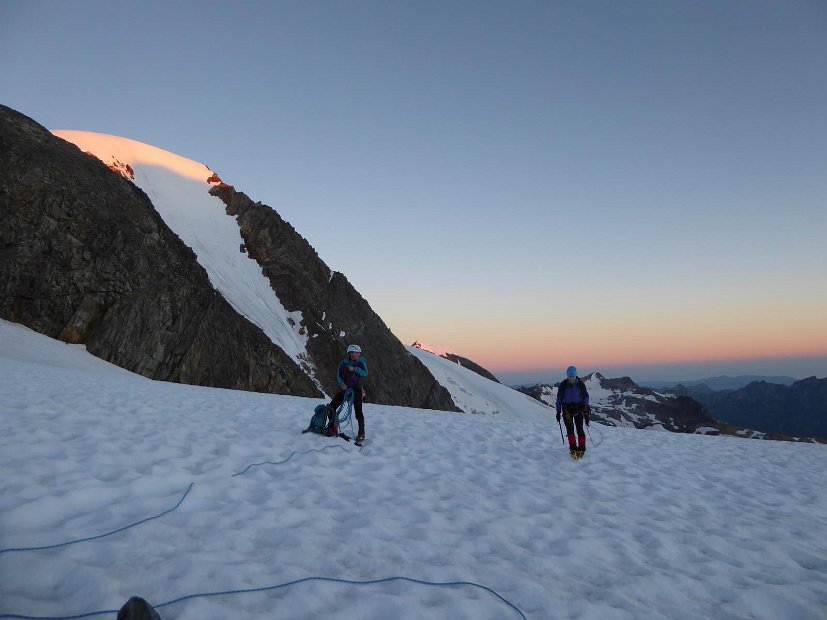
(632, 187)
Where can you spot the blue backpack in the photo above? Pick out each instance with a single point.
(319, 421)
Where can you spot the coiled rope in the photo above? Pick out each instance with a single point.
(347, 402)
(594, 443)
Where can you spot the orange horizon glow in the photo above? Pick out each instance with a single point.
(495, 365)
(519, 352)
(516, 352)
(517, 360)
(655, 337)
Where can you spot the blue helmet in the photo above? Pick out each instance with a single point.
(571, 371)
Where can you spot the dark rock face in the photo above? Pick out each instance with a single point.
(85, 257)
(331, 306)
(799, 410)
(543, 392)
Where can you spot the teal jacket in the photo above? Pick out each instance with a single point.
(351, 378)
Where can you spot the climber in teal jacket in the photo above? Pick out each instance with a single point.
(349, 376)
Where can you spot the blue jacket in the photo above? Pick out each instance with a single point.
(571, 394)
(351, 378)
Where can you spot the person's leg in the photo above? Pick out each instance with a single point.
(569, 422)
(331, 412)
(357, 408)
(337, 399)
(581, 434)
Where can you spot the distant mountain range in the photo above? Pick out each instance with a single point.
(799, 409)
(621, 402)
(760, 410)
(722, 382)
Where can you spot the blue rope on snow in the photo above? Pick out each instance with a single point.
(287, 459)
(285, 585)
(248, 590)
(120, 529)
(348, 582)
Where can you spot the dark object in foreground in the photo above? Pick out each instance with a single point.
(137, 608)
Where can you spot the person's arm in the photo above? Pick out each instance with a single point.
(339, 377)
(361, 368)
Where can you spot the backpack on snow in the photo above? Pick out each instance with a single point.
(319, 422)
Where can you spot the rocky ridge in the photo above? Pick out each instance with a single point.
(334, 313)
(85, 257)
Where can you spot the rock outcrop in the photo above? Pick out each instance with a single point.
(85, 257)
(334, 313)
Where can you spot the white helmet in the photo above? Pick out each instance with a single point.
(354, 348)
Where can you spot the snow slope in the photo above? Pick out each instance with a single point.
(174, 492)
(179, 190)
(473, 393)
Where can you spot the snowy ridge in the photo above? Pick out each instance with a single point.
(621, 403)
(610, 405)
(179, 190)
(648, 525)
(473, 393)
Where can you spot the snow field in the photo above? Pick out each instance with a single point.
(654, 525)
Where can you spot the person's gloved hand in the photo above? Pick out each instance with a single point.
(586, 411)
(558, 416)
